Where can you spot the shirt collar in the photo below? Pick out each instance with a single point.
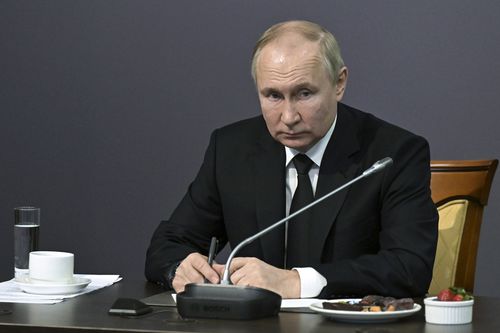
(316, 152)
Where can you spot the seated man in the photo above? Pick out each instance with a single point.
(377, 237)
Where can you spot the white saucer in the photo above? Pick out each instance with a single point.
(29, 287)
(362, 317)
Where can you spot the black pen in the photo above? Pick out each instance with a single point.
(211, 253)
(213, 249)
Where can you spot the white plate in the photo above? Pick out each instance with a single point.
(362, 317)
(53, 289)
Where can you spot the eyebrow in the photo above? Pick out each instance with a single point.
(307, 85)
(267, 90)
(302, 85)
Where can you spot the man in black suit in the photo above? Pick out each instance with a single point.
(377, 237)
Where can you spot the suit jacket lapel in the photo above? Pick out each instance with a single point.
(269, 170)
(338, 166)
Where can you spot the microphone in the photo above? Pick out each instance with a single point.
(378, 166)
(227, 301)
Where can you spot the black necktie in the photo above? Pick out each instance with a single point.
(298, 227)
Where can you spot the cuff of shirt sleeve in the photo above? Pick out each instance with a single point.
(171, 274)
(311, 282)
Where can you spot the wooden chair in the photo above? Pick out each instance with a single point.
(460, 190)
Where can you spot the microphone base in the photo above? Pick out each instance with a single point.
(200, 300)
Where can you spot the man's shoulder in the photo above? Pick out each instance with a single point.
(244, 124)
(368, 123)
(243, 130)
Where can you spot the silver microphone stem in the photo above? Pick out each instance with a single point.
(376, 167)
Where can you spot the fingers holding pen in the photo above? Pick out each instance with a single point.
(194, 269)
(219, 269)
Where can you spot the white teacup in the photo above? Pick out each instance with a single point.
(51, 267)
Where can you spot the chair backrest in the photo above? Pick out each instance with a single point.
(460, 190)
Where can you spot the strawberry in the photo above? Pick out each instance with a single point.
(445, 295)
(454, 294)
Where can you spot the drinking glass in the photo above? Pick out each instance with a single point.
(26, 233)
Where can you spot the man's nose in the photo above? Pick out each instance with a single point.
(289, 115)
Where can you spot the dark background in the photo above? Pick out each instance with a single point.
(106, 106)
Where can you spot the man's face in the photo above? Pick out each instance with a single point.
(297, 97)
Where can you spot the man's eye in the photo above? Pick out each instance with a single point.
(274, 96)
(304, 94)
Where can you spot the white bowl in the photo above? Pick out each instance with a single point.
(442, 312)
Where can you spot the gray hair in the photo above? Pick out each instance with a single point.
(329, 48)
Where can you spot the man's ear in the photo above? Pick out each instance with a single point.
(341, 83)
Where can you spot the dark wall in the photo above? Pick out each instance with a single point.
(106, 106)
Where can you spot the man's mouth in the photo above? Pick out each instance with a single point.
(292, 135)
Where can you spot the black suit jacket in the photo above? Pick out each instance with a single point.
(377, 237)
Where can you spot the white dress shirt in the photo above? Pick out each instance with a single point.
(311, 282)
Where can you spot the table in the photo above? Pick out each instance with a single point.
(88, 313)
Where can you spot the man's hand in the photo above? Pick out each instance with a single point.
(256, 273)
(194, 269)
